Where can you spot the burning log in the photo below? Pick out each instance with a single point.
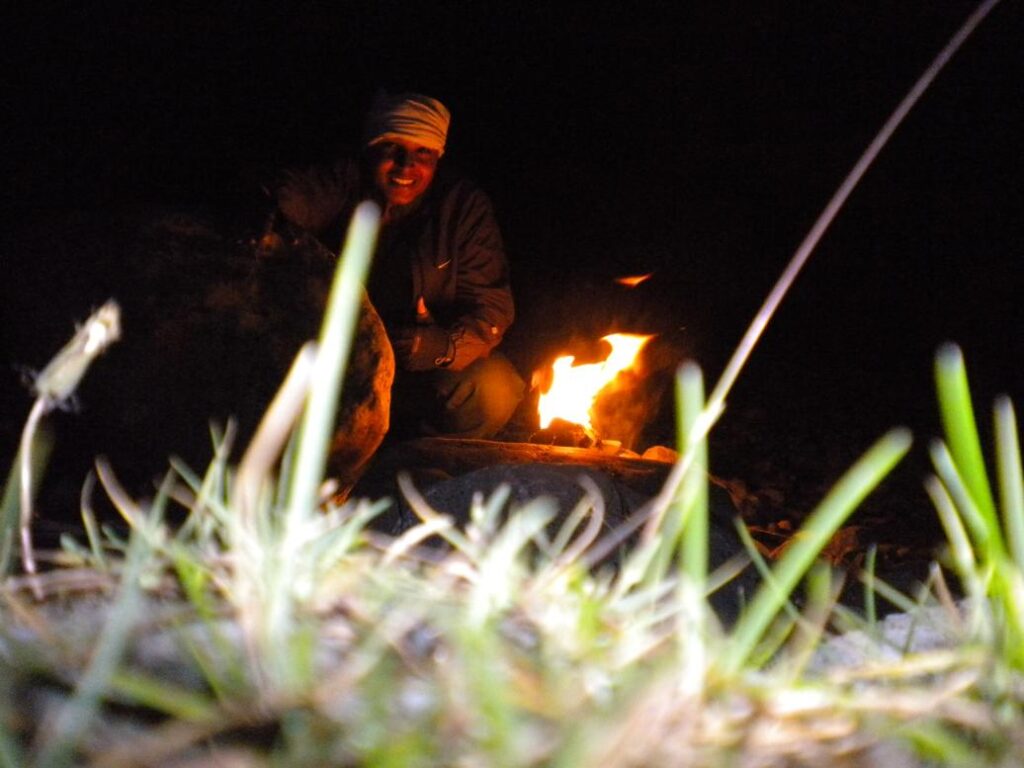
(574, 388)
(565, 433)
(570, 392)
(441, 458)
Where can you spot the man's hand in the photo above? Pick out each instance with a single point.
(421, 347)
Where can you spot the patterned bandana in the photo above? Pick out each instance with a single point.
(408, 116)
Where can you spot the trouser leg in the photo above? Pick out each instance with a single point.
(475, 402)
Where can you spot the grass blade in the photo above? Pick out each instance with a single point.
(10, 752)
(42, 446)
(164, 697)
(277, 424)
(823, 522)
(335, 343)
(693, 501)
(77, 714)
(1011, 478)
(961, 429)
(961, 552)
(680, 526)
(986, 535)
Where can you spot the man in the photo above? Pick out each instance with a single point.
(440, 278)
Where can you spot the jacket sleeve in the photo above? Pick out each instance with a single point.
(482, 290)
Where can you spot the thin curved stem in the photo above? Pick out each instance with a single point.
(39, 407)
(716, 401)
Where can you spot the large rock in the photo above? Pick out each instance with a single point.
(560, 483)
(364, 410)
(564, 485)
(213, 315)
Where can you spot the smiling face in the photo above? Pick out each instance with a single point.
(401, 169)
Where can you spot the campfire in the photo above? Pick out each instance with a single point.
(570, 391)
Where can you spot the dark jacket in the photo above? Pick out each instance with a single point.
(447, 249)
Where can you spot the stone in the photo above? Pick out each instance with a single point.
(213, 315)
(624, 485)
(364, 410)
(559, 482)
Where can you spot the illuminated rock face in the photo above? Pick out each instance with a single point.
(363, 414)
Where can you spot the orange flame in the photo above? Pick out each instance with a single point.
(632, 281)
(574, 388)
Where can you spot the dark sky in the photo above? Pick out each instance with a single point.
(696, 140)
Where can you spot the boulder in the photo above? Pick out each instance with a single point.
(624, 487)
(213, 314)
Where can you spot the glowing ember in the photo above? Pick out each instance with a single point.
(632, 281)
(574, 388)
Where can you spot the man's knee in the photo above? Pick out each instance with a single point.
(479, 400)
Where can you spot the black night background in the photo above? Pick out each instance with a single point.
(697, 141)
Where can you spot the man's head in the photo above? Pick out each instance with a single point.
(404, 137)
